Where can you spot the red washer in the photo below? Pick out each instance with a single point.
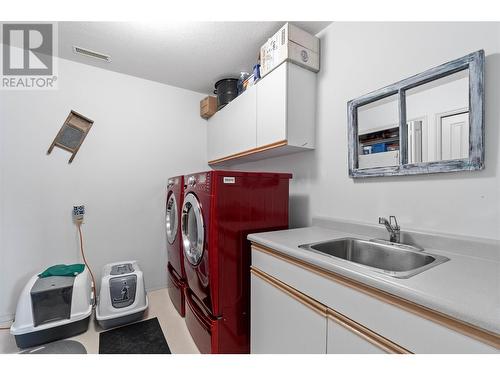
(175, 268)
(220, 209)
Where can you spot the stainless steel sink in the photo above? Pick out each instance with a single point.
(386, 258)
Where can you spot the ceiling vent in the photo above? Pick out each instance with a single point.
(93, 54)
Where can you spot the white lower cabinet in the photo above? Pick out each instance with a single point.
(358, 318)
(282, 322)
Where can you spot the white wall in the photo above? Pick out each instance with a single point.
(144, 132)
(361, 57)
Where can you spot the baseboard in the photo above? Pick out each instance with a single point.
(6, 320)
(153, 288)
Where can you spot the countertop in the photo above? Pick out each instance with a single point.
(465, 287)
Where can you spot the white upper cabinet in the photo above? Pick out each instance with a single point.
(272, 107)
(275, 117)
(286, 107)
(233, 129)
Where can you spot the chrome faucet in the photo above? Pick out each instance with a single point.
(393, 228)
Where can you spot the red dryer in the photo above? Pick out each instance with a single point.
(175, 268)
(220, 209)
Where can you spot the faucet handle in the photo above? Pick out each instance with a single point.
(396, 225)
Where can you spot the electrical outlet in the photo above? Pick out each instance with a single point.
(78, 212)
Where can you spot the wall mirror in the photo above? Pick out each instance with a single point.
(429, 123)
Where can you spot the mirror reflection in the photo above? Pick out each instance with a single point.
(437, 125)
(378, 133)
(437, 116)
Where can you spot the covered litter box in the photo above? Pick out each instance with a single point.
(122, 297)
(52, 308)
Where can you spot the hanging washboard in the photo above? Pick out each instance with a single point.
(72, 133)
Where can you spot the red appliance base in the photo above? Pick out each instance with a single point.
(176, 291)
(203, 328)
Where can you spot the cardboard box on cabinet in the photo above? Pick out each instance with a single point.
(208, 107)
(292, 44)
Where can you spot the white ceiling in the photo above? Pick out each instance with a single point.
(191, 55)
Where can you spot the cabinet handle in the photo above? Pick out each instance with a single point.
(366, 333)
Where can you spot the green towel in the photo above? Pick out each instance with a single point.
(63, 270)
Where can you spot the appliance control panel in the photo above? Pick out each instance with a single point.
(172, 182)
(199, 182)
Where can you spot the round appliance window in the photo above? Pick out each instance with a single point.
(192, 229)
(172, 222)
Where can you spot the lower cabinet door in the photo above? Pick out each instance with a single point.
(346, 336)
(282, 320)
(344, 341)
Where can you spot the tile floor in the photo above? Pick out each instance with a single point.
(173, 326)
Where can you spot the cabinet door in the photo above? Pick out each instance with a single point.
(216, 142)
(233, 129)
(342, 340)
(272, 107)
(281, 323)
(345, 336)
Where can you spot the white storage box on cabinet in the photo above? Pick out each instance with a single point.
(292, 44)
(277, 116)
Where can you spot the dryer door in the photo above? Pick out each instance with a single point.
(193, 230)
(172, 220)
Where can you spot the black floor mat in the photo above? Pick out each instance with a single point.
(143, 337)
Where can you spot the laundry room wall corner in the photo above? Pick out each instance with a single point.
(139, 138)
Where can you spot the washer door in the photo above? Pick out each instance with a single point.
(192, 228)
(172, 220)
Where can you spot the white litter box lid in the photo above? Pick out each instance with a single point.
(81, 305)
(105, 309)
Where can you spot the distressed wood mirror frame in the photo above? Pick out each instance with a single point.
(474, 62)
